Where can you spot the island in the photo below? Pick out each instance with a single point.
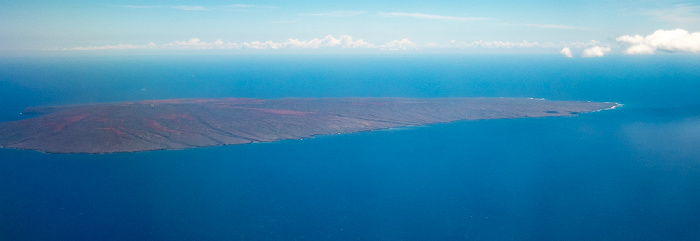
(185, 123)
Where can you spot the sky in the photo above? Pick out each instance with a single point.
(588, 28)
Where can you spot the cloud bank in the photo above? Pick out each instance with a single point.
(403, 44)
(341, 42)
(678, 40)
(344, 41)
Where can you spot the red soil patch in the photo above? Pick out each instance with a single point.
(115, 130)
(155, 125)
(68, 121)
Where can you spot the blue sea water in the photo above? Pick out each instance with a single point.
(632, 173)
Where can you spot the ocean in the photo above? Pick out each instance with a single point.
(632, 173)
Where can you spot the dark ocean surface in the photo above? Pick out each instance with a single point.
(632, 173)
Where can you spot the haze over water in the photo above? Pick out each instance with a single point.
(632, 173)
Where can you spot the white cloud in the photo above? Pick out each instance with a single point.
(403, 44)
(566, 51)
(340, 42)
(640, 49)
(117, 46)
(678, 40)
(344, 41)
(193, 43)
(430, 16)
(595, 51)
(504, 44)
(262, 45)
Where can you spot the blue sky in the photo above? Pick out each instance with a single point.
(326, 26)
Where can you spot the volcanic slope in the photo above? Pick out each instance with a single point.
(184, 123)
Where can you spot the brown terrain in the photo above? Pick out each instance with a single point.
(184, 123)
